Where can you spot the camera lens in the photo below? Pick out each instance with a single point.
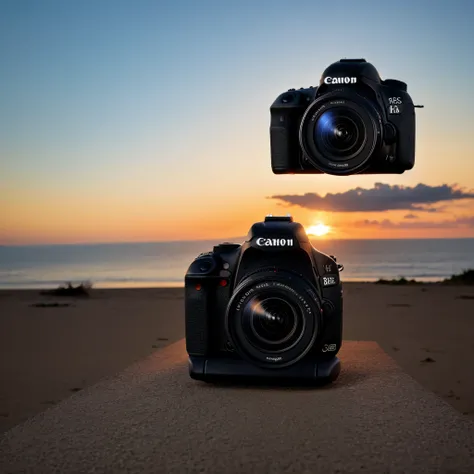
(339, 133)
(273, 320)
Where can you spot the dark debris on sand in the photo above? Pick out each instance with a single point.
(82, 290)
(50, 305)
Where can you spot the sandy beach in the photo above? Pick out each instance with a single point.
(49, 353)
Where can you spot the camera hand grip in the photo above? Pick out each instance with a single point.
(196, 318)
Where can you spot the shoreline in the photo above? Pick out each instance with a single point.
(170, 285)
(49, 352)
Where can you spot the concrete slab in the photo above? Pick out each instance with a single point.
(152, 418)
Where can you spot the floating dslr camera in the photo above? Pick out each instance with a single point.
(354, 122)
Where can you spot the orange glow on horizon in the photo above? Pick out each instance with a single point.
(318, 230)
(47, 219)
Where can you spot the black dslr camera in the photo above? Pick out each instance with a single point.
(270, 308)
(354, 122)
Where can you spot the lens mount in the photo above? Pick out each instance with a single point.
(273, 320)
(339, 134)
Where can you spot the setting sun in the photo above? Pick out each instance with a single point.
(318, 230)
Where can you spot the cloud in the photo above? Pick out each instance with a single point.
(467, 221)
(382, 197)
(388, 224)
(410, 216)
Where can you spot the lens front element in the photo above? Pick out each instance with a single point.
(272, 323)
(339, 133)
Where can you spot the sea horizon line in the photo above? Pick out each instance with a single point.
(223, 239)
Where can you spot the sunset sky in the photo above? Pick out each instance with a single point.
(149, 120)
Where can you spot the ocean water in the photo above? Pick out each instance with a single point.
(165, 263)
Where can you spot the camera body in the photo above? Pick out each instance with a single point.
(270, 308)
(352, 123)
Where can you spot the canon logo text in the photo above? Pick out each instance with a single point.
(264, 242)
(340, 80)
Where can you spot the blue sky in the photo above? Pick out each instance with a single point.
(151, 106)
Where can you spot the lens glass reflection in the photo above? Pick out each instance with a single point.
(339, 132)
(272, 323)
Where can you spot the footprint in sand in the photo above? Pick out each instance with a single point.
(451, 394)
(154, 346)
